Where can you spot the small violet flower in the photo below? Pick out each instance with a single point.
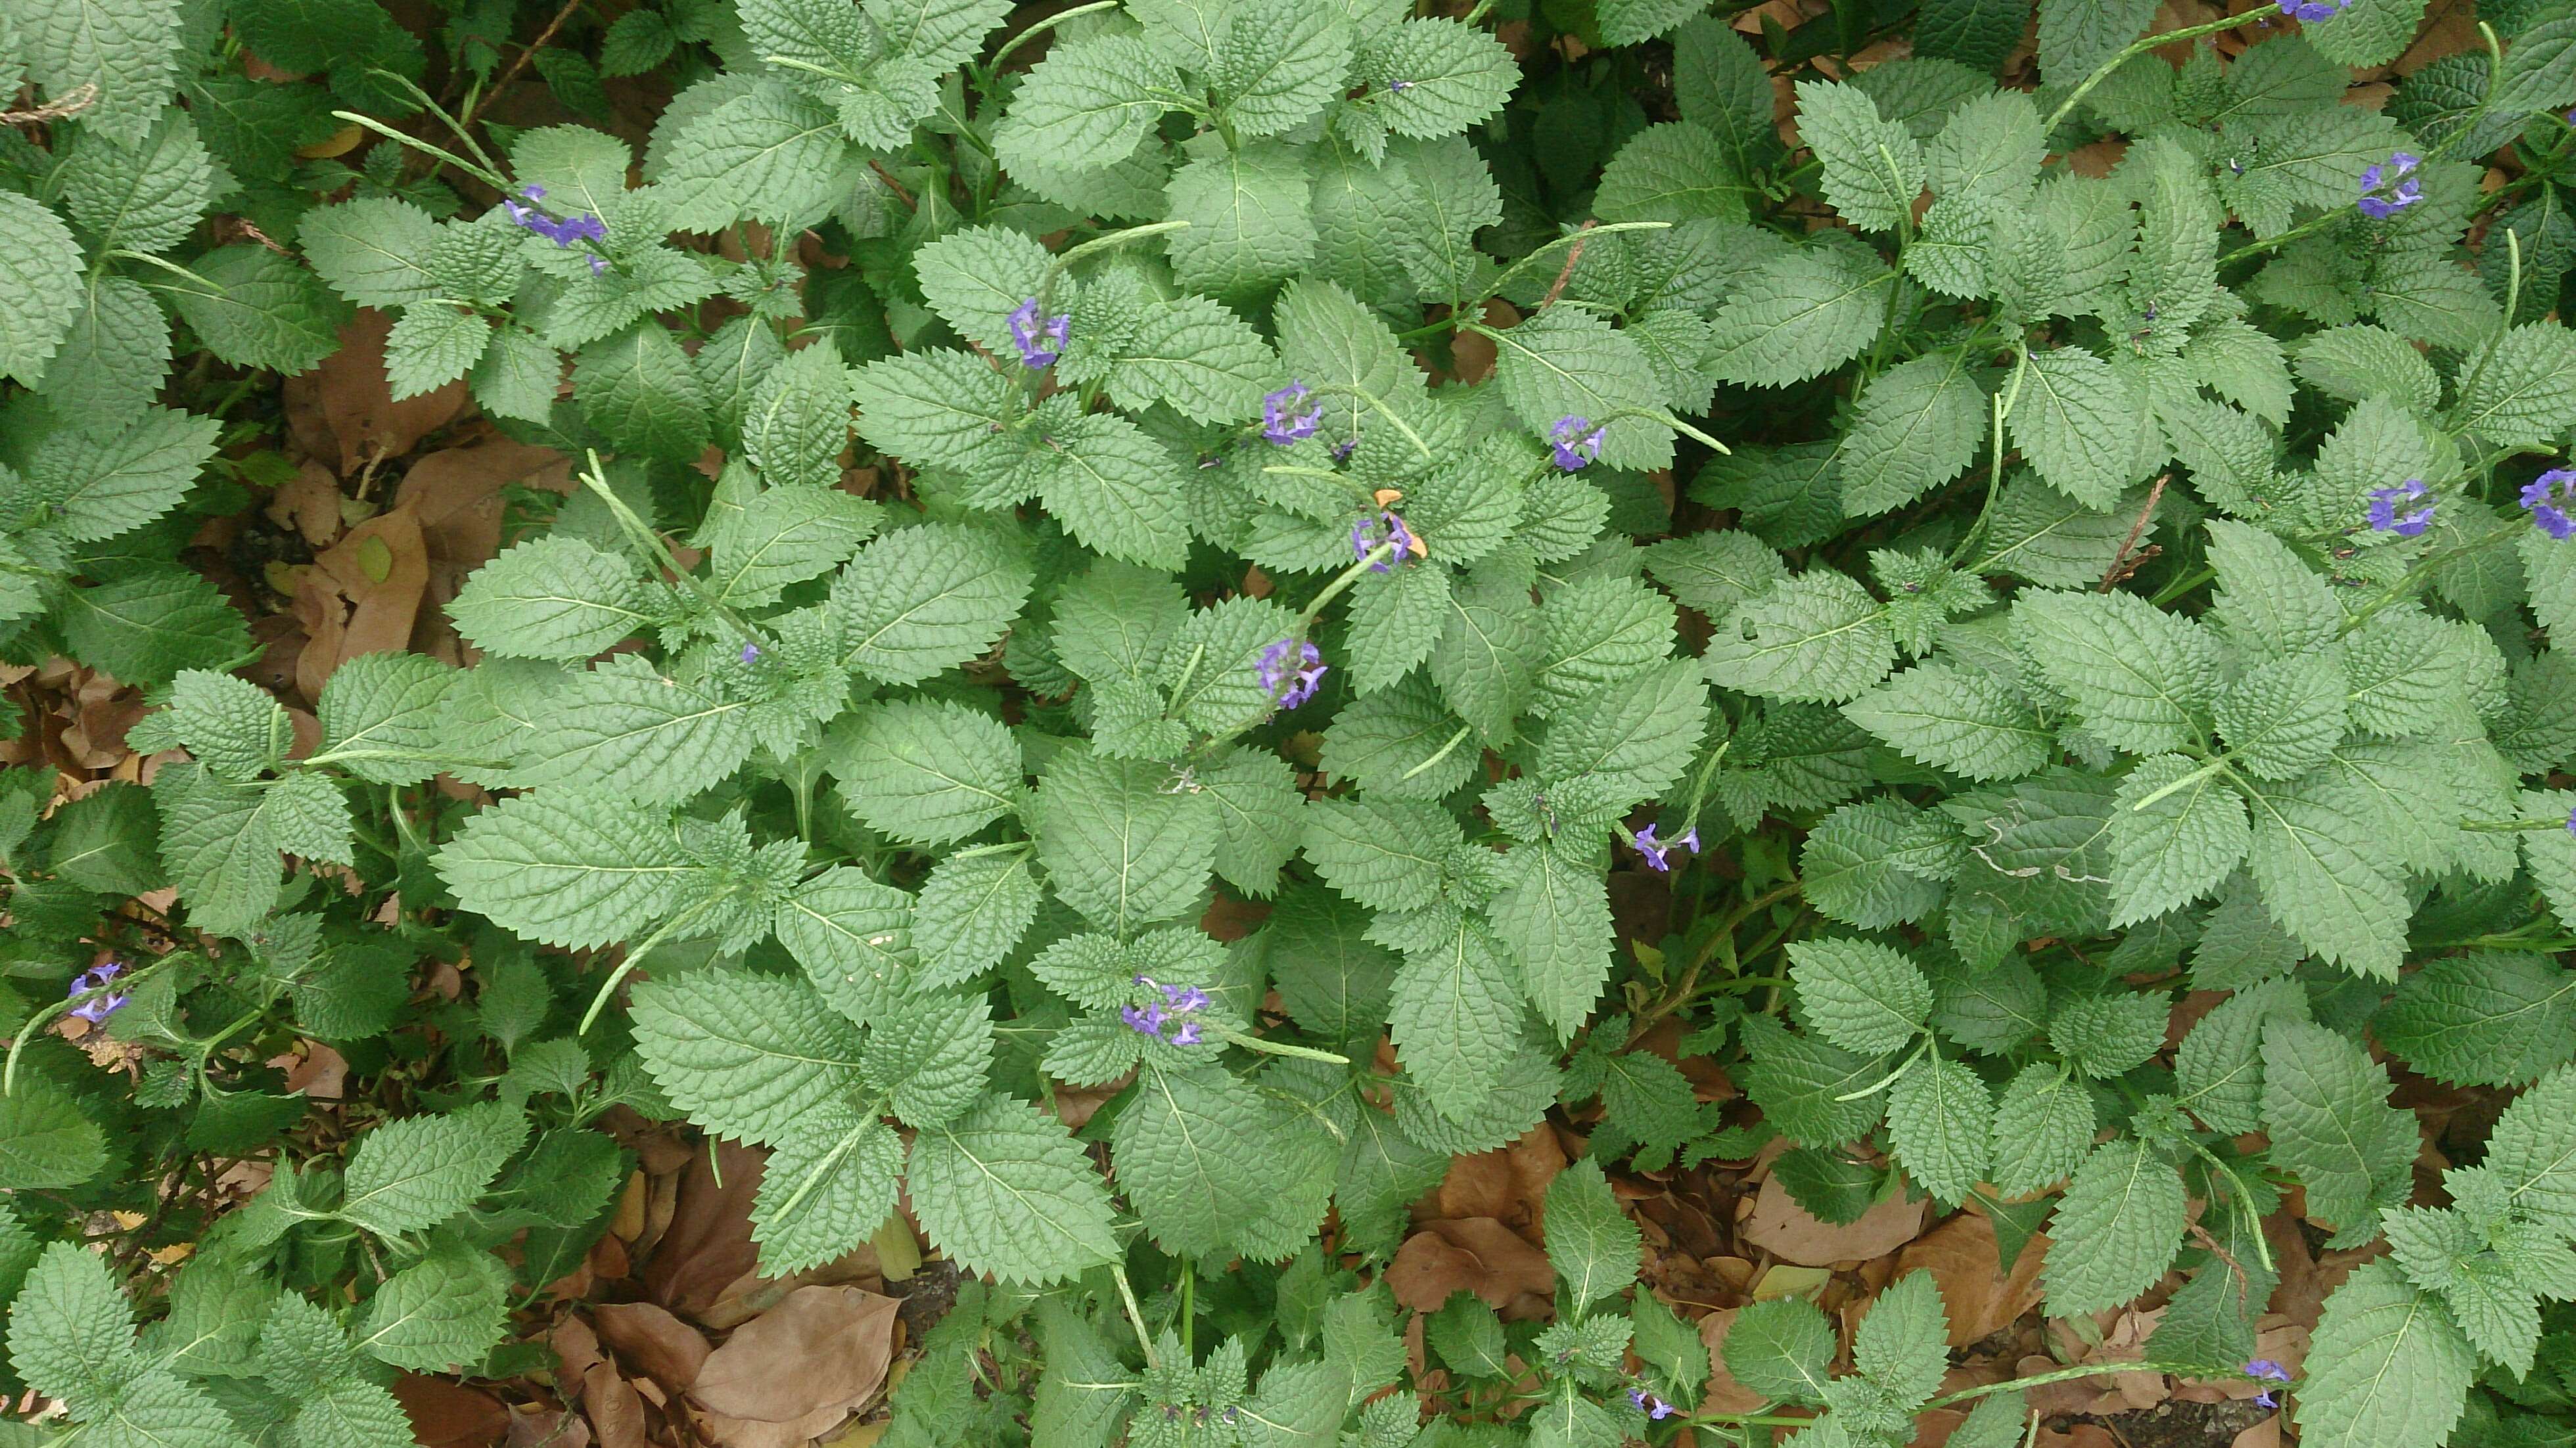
(2384, 514)
(1281, 423)
(751, 653)
(1657, 852)
(2313, 9)
(2547, 496)
(2269, 1371)
(1368, 533)
(1028, 332)
(2571, 822)
(1650, 1405)
(1398, 87)
(563, 232)
(1296, 668)
(1576, 441)
(93, 983)
(1185, 1003)
(2386, 189)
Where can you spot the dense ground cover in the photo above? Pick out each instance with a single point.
(1287, 722)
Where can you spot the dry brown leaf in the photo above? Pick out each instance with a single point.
(1508, 1183)
(1473, 1254)
(1960, 1254)
(361, 597)
(547, 1428)
(652, 1342)
(727, 1432)
(1788, 1231)
(344, 411)
(708, 1242)
(819, 1347)
(616, 1414)
(309, 504)
(450, 1415)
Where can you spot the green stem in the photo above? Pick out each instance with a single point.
(1342, 582)
(2214, 766)
(657, 552)
(1442, 753)
(635, 957)
(1135, 1315)
(1040, 27)
(2089, 1370)
(2140, 47)
(1282, 1048)
(1889, 1079)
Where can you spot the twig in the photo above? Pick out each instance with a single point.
(79, 98)
(518, 65)
(2120, 566)
(1565, 273)
(893, 185)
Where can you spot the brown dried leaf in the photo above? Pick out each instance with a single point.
(822, 1347)
(344, 411)
(1960, 1254)
(653, 1342)
(1788, 1231)
(1473, 1254)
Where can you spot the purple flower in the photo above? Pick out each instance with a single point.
(1297, 668)
(1576, 440)
(1342, 449)
(2313, 9)
(2385, 189)
(1368, 533)
(2384, 517)
(1398, 87)
(2269, 1371)
(564, 232)
(1186, 1001)
(2545, 495)
(91, 983)
(1650, 1405)
(751, 653)
(1656, 851)
(1280, 423)
(2571, 822)
(1027, 332)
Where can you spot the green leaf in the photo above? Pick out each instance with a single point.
(1208, 1160)
(1873, 169)
(112, 361)
(770, 155)
(1782, 1348)
(1918, 426)
(1455, 75)
(1671, 172)
(2387, 1368)
(1088, 103)
(2077, 421)
(1902, 1346)
(1818, 636)
(744, 1055)
(121, 48)
(148, 624)
(2043, 1129)
(1939, 1121)
(414, 1173)
(971, 911)
(926, 772)
(2268, 602)
(253, 307)
(2326, 879)
(1116, 846)
(1251, 224)
(564, 869)
(851, 934)
(1193, 353)
(440, 1313)
(550, 598)
(71, 1334)
(799, 420)
(1554, 916)
(2523, 392)
(2488, 1018)
(381, 715)
(1455, 1018)
(1590, 1242)
(1006, 1192)
(1956, 719)
(1277, 63)
(623, 729)
(1118, 492)
(47, 1142)
(2325, 1104)
(2077, 35)
(2532, 1151)
(1797, 315)
(846, 1169)
(638, 389)
(1566, 362)
(931, 1060)
(1859, 995)
(2140, 677)
(2116, 1230)
(2178, 849)
(923, 599)
(104, 488)
(373, 251)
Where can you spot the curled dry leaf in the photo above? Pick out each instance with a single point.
(1472, 1254)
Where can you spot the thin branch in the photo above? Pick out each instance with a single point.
(78, 99)
(518, 65)
(1565, 274)
(893, 185)
(2121, 567)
